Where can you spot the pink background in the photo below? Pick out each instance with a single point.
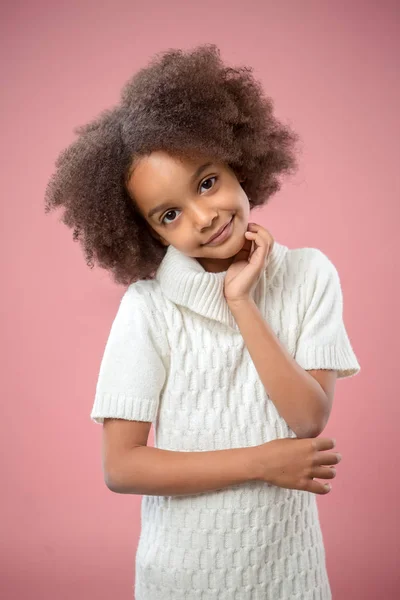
(333, 71)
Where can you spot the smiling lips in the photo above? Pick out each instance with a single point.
(219, 232)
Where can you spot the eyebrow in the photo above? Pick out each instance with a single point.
(166, 204)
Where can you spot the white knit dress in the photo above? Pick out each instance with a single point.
(175, 357)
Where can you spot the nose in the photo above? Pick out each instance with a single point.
(203, 217)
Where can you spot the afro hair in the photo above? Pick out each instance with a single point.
(183, 103)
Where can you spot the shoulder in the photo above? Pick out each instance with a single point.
(145, 294)
(310, 264)
(309, 273)
(314, 279)
(307, 257)
(144, 300)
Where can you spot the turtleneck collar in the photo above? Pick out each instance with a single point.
(185, 282)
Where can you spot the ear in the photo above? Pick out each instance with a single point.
(241, 178)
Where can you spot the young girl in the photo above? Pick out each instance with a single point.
(226, 340)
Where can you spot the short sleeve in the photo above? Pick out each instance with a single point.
(323, 342)
(132, 372)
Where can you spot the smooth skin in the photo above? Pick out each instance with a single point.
(194, 208)
(184, 202)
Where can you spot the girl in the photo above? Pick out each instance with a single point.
(226, 340)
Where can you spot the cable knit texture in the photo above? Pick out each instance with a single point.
(175, 357)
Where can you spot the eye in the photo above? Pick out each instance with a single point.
(175, 210)
(208, 179)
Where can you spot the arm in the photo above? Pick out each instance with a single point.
(132, 467)
(153, 471)
(299, 398)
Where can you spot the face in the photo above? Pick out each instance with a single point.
(186, 201)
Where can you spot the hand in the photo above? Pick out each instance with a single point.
(242, 276)
(293, 463)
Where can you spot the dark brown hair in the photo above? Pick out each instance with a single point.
(184, 103)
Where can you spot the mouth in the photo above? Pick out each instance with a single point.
(221, 235)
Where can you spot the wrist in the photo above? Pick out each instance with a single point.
(255, 469)
(238, 303)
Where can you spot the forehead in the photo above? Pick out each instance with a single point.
(160, 170)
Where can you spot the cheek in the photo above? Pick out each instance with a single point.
(246, 206)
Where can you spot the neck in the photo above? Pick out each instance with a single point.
(185, 282)
(215, 265)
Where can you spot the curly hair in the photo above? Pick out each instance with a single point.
(183, 103)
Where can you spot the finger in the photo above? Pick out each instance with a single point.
(263, 239)
(258, 246)
(325, 458)
(253, 235)
(317, 487)
(265, 234)
(323, 443)
(324, 472)
(259, 241)
(244, 252)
